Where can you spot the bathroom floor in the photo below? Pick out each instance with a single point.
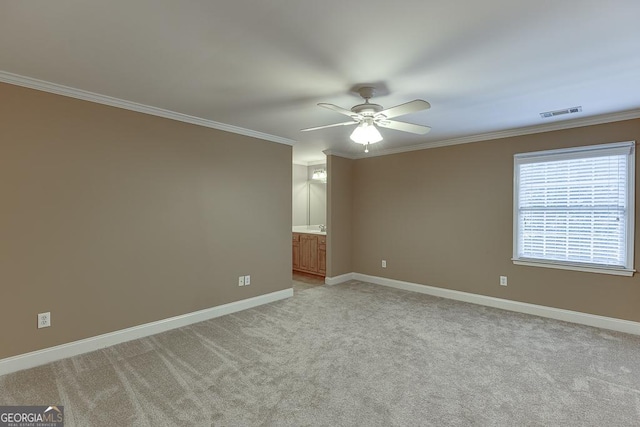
(302, 281)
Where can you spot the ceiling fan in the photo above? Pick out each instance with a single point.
(368, 115)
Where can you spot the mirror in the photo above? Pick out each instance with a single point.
(309, 195)
(317, 202)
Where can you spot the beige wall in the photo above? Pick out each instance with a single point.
(339, 215)
(111, 218)
(443, 217)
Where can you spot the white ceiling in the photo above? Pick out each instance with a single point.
(485, 66)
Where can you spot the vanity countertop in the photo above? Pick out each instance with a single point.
(308, 229)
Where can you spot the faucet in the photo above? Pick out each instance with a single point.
(322, 227)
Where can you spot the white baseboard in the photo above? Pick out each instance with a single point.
(338, 279)
(603, 322)
(51, 354)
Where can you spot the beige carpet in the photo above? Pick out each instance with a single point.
(350, 355)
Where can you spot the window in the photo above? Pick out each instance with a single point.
(573, 208)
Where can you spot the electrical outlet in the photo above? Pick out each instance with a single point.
(384, 263)
(241, 281)
(247, 280)
(44, 320)
(503, 280)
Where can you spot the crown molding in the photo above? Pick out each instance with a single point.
(31, 83)
(317, 162)
(339, 154)
(310, 162)
(529, 130)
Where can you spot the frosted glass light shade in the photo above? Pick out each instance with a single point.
(365, 134)
(319, 175)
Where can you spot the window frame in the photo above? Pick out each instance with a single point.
(569, 154)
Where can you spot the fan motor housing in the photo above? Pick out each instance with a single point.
(367, 109)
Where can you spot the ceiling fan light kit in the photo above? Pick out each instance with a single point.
(368, 116)
(366, 133)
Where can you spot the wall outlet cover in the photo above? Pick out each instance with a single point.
(247, 280)
(241, 281)
(44, 320)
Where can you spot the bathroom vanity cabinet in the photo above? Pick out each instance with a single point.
(310, 253)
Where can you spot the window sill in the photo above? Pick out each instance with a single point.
(575, 267)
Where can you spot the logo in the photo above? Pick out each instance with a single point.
(32, 416)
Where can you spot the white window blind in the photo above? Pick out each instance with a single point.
(575, 206)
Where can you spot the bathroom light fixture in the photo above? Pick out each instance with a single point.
(366, 133)
(319, 175)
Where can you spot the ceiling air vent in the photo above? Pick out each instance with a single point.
(548, 114)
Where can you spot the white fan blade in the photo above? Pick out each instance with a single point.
(340, 110)
(402, 109)
(404, 127)
(330, 126)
